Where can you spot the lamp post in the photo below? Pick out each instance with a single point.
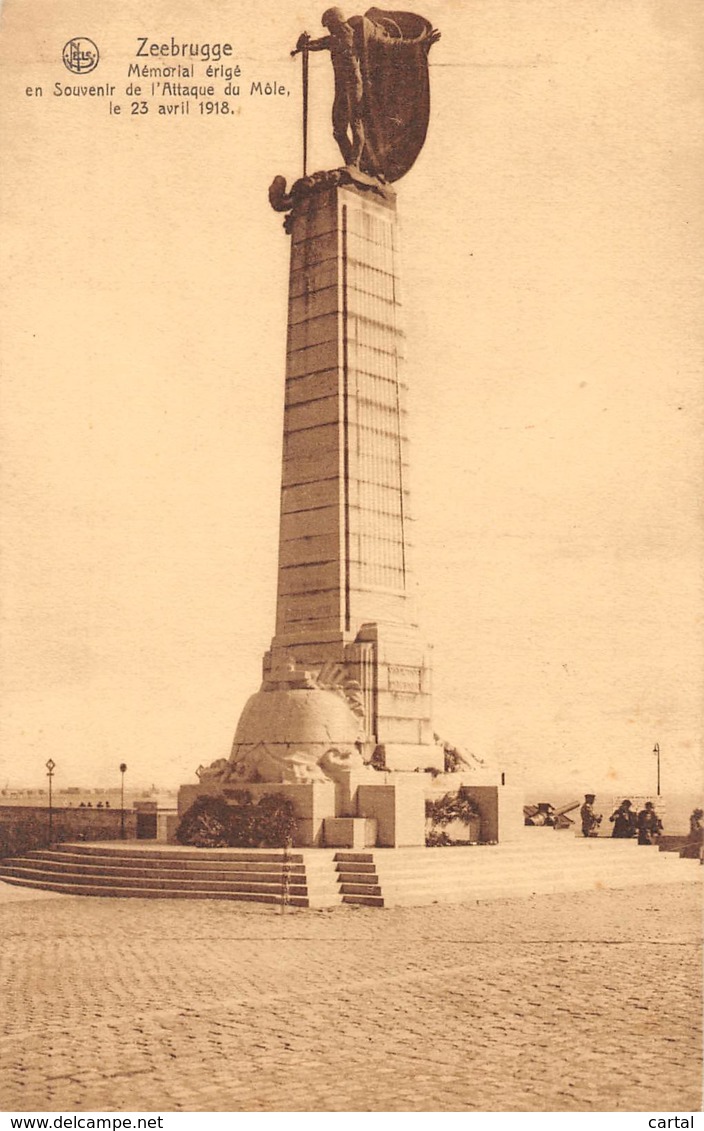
(123, 767)
(656, 752)
(50, 767)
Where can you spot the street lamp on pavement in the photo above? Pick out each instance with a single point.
(123, 767)
(656, 752)
(50, 767)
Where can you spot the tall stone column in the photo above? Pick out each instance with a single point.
(345, 601)
(346, 681)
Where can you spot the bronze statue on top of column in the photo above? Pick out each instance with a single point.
(382, 96)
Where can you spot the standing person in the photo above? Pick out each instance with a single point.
(348, 107)
(590, 819)
(624, 821)
(695, 845)
(649, 825)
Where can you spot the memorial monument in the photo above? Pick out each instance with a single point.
(342, 722)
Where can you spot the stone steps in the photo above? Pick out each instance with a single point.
(470, 874)
(127, 871)
(272, 886)
(353, 868)
(358, 879)
(326, 877)
(97, 889)
(168, 853)
(141, 869)
(359, 889)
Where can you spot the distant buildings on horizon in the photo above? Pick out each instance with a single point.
(72, 795)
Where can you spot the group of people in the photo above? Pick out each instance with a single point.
(646, 825)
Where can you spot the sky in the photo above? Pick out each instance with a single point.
(551, 288)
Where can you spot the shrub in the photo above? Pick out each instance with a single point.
(435, 839)
(275, 820)
(459, 806)
(212, 822)
(243, 828)
(206, 824)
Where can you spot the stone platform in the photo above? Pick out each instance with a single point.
(541, 864)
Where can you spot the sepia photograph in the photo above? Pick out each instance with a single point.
(351, 651)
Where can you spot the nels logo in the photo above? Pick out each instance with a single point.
(80, 55)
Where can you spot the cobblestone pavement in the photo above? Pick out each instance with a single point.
(587, 1001)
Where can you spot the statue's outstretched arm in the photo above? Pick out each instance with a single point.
(320, 44)
(311, 44)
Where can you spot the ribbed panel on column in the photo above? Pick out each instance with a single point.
(311, 583)
(376, 437)
(343, 554)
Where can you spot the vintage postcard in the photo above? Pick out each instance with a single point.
(351, 429)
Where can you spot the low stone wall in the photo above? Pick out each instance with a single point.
(26, 827)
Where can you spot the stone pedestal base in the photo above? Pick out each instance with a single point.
(395, 805)
(395, 802)
(399, 808)
(501, 810)
(350, 832)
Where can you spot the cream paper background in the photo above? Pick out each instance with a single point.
(552, 257)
